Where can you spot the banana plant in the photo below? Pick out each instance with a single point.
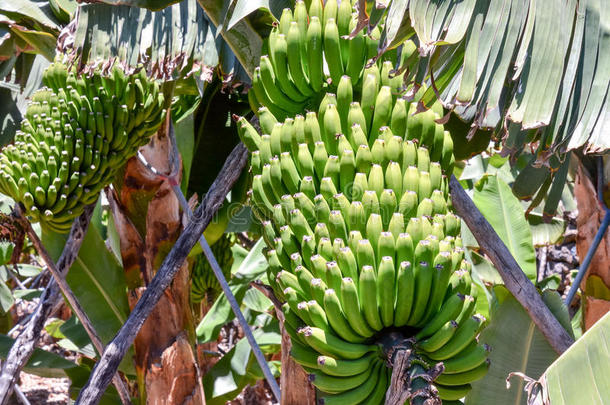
(350, 158)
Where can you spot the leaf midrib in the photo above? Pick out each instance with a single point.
(529, 339)
(509, 235)
(111, 304)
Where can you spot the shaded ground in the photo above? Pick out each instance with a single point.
(39, 390)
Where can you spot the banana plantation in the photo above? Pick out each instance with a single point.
(304, 202)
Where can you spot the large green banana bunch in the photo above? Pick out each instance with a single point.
(76, 133)
(204, 282)
(362, 241)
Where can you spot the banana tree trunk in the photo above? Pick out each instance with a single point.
(148, 220)
(597, 279)
(296, 388)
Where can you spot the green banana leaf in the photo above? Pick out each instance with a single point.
(251, 268)
(494, 198)
(15, 98)
(256, 301)
(154, 5)
(6, 295)
(240, 9)
(31, 11)
(545, 233)
(485, 269)
(179, 40)
(580, 375)
(185, 141)
(534, 63)
(245, 41)
(6, 298)
(517, 346)
(98, 282)
(215, 135)
(26, 27)
(42, 362)
(238, 367)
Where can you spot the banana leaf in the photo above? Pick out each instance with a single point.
(98, 281)
(179, 40)
(238, 367)
(580, 375)
(540, 64)
(42, 363)
(243, 38)
(502, 209)
(243, 272)
(517, 346)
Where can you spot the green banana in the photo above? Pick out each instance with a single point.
(423, 281)
(314, 52)
(449, 310)
(357, 203)
(330, 345)
(351, 305)
(318, 288)
(356, 395)
(67, 149)
(294, 41)
(385, 290)
(303, 355)
(332, 49)
(344, 100)
(356, 53)
(318, 316)
(379, 393)
(465, 377)
(386, 247)
(337, 319)
(367, 103)
(471, 357)
(203, 281)
(328, 383)
(452, 393)
(383, 110)
(439, 338)
(465, 334)
(346, 368)
(272, 86)
(405, 292)
(368, 297)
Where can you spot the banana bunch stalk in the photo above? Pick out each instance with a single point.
(76, 133)
(353, 199)
(204, 282)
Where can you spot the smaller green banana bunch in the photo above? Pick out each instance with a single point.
(204, 283)
(76, 133)
(309, 52)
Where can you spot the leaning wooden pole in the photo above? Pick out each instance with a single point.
(514, 278)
